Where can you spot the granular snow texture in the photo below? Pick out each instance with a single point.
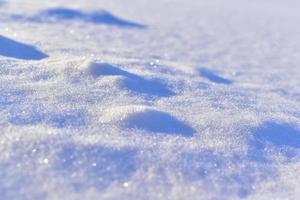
(139, 99)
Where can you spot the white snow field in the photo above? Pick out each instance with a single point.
(149, 99)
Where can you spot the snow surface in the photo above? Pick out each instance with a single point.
(160, 99)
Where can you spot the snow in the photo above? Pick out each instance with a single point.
(161, 99)
(11, 48)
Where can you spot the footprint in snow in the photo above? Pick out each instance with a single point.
(132, 81)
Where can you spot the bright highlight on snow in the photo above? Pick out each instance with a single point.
(162, 99)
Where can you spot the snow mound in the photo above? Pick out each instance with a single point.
(157, 122)
(130, 81)
(147, 119)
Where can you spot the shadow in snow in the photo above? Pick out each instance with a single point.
(157, 122)
(132, 82)
(62, 13)
(97, 17)
(282, 136)
(94, 166)
(213, 77)
(279, 135)
(14, 49)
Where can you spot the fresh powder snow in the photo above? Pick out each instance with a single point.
(149, 99)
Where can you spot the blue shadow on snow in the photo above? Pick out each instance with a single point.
(284, 137)
(213, 77)
(158, 122)
(96, 17)
(132, 82)
(14, 49)
(277, 134)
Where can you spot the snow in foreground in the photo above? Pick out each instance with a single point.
(160, 99)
